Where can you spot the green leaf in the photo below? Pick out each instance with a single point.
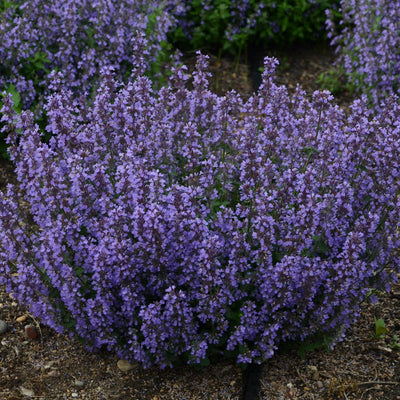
(224, 12)
(90, 37)
(205, 362)
(380, 328)
(242, 349)
(310, 150)
(395, 343)
(285, 24)
(4, 5)
(38, 60)
(320, 245)
(16, 98)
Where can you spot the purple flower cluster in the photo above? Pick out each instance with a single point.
(78, 38)
(368, 44)
(173, 223)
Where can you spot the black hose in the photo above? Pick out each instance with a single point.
(252, 382)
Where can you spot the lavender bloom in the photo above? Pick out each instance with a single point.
(78, 38)
(169, 224)
(367, 43)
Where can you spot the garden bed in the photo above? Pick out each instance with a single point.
(56, 367)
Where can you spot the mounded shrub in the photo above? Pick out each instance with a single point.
(174, 224)
(367, 42)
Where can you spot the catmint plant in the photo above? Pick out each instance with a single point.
(174, 224)
(78, 38)
(367, 42)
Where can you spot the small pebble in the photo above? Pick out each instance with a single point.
(315, 373)
(79, 383)
(225, 369)
(53, 373)
(22, 318)
(124, 365)
(320, 384)
(49, 365)
(74, 395)
(30, 332)
(3, 326)
(386, 349)
(27, 392)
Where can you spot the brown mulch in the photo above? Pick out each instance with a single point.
(53, 366)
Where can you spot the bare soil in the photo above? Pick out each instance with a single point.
(52, 366)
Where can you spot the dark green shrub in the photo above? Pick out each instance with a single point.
(231, 25)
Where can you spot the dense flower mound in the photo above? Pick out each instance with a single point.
(175, 224)
(368, 46)
(78, 38)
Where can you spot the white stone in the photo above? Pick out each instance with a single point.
(124, 365)
(27, 392)
(3, 326)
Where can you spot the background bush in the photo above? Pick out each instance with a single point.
(230, 25)
(174, 224)
(368, 42)
(77, 38)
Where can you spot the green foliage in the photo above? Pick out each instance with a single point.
(16, 98)
(4, 5)
(209, 25)
(319, 341)
(381, 331)
(224, 24)
(335, 81)
(331, 80)
(395, 344)
(160, 68)
(156, 67)
(34, 68)
(91, 42)
(380, 328)
(7, 4)
(321, 248)
(205, 362)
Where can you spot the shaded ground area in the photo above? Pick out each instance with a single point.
(55, 367)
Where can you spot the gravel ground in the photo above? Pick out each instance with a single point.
(52, 366)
